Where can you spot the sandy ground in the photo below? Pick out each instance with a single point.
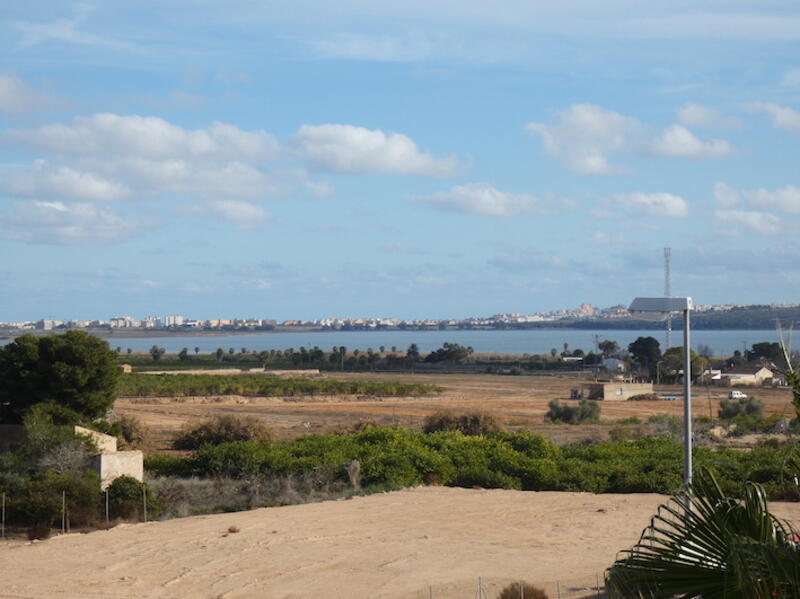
(517, 401)
(402, 544)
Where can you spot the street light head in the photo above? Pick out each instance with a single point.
(658, 308)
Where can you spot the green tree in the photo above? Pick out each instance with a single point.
(766, 350)
(673, 361)
(196, 350)
(219, 354)
(412, 353)
(646, 351)
(608, 347)
(183, 355)
(449, 352)
(74, 370)
(156, 352)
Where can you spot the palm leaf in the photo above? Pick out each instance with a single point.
(704, 544)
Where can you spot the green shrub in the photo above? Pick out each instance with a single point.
(127, 497)
(469, 423)
(585, 410)
(731, 408)
(222, 429)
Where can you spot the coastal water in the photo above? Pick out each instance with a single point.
(534, 341)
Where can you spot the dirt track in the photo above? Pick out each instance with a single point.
(384, 546)
(517, 401)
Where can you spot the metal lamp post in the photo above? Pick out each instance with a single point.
(659, 308)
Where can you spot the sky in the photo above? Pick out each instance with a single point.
(428, 159)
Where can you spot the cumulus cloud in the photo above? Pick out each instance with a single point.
(784, 199)
(726, 196)
(17, 97)
(676, 141)
(45, 180)
(758, 222)
(482, 198)
(242, 214)
(697, 115)
(655, 204)
(357, 150)
(782, 116)
(61, 223)
(108, 134)
(585, 135)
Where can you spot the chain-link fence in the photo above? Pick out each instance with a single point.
(586, 587)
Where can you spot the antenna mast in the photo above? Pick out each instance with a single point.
(668, 290)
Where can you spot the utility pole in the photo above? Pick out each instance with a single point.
(668, 291)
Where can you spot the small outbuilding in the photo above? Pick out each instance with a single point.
(610, 390)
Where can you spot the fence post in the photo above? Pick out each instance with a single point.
(597, 584)
(63, 512)
(107, 515)
(521, 591)
(144, 501)
(3, 519)
(558, 590)
(430, 591)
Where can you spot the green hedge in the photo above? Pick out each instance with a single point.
(183, 385)
(394, 457)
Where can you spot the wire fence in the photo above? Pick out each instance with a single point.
(62, 522)
(587, 587)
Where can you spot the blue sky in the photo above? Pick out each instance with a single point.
(419, 159)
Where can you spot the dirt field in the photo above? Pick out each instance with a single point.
(403, 544)
(517, 401)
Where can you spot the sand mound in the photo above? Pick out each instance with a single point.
(389, 545)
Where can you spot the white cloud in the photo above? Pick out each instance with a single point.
(785, 199)
(656, 204)
(584, 137)
(757, 222)
(46, 181)
(356, 150)
(697, 115)
(60, 223)
(112, 135)
(782, 117)
(482, 198)
(242, 214)
(725, 195)
(66, 31)
(17, 97)
(791, 78)
(676, 141)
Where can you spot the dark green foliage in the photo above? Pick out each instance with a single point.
(706, 543)
(528, 591)
(394, 457)
(126, 499)
(74, 370)
(449, 352)
(37, 503)
(646, 351)
(470, 423)
(561, 412)
(181, 385)
(730, 408)
(222, 429)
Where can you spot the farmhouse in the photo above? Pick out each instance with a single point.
(756, 375)
(610, 391)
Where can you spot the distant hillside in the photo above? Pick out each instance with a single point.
(750, 317)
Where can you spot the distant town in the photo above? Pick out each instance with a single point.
(585, 316)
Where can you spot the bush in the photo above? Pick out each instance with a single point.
(731, 408)
(585, 410)
(133, 434)
(469, 423)
(127, 497)
(645, 397)
(222, 429)
(529, 591)
(39, 501)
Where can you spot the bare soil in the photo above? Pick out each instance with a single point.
(415, 543)
(519, 402)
